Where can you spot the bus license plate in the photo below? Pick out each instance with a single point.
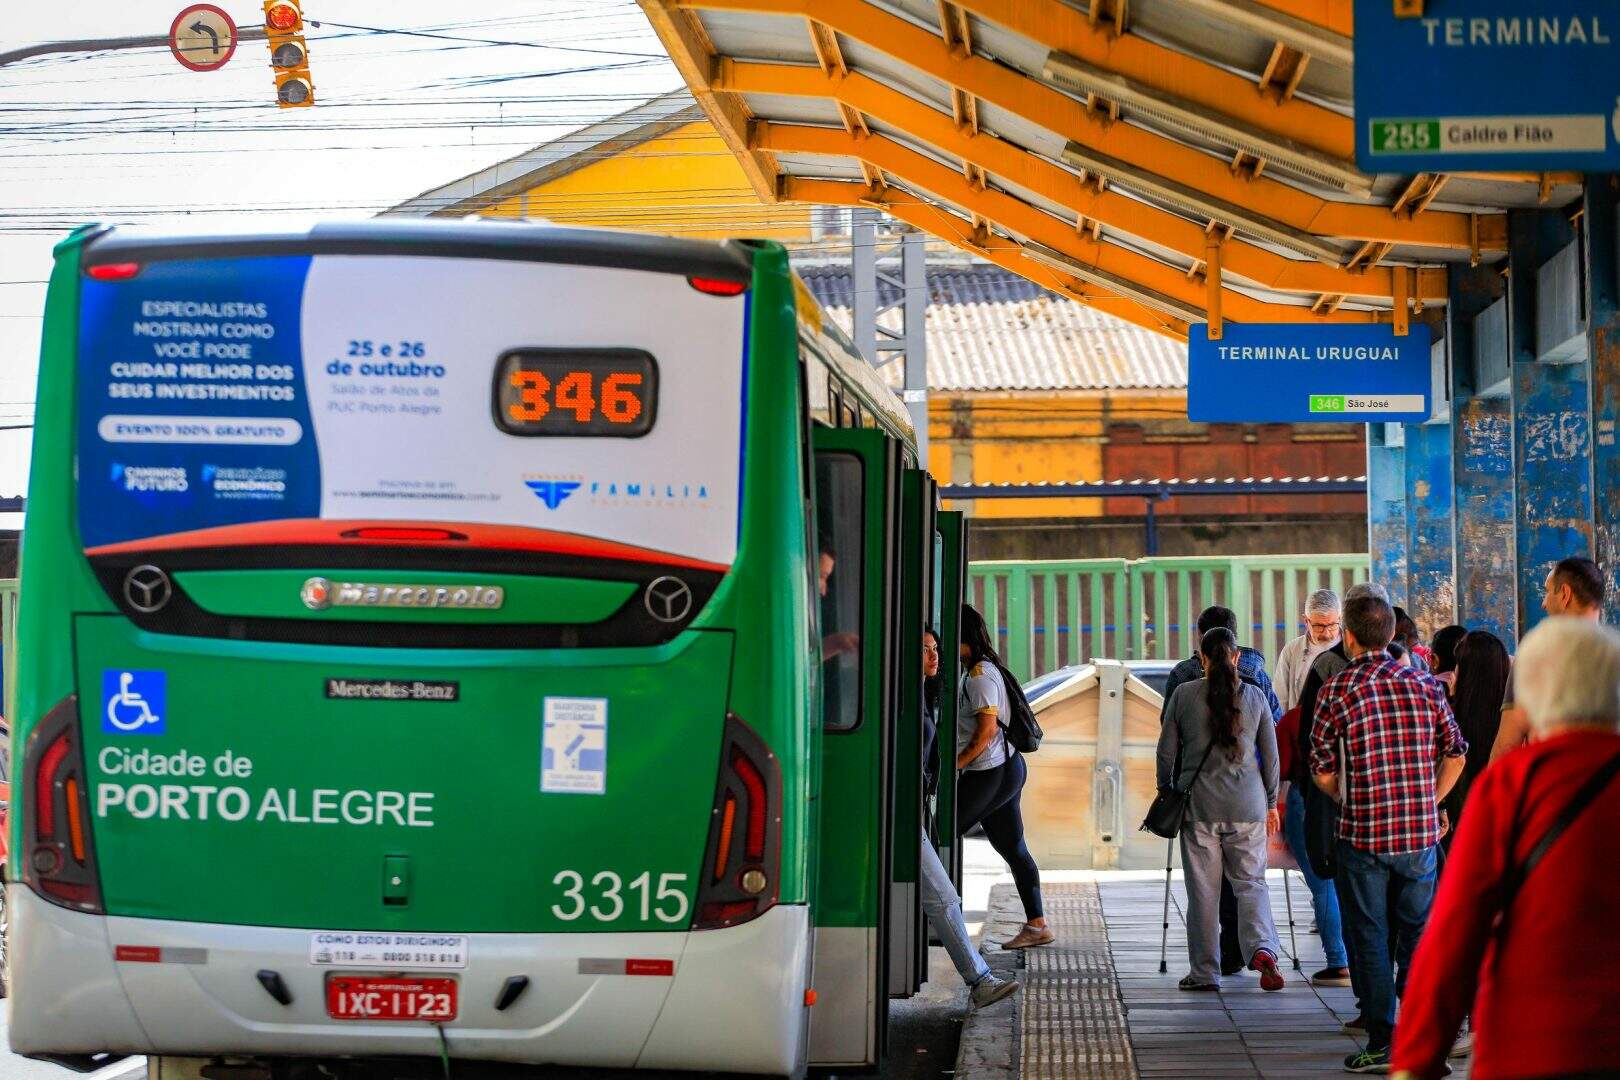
(363, 997)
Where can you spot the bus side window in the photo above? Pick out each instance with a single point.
(840, 497)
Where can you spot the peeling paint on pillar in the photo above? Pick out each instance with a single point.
(1606, 463)
(1552, 461)
(1485, 533)
(1430, 569)
(1601, 221)
(1386, 514)
(1482, 459)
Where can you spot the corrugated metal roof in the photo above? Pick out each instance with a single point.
(991, 329)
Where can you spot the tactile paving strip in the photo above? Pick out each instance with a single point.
(1072, 1024)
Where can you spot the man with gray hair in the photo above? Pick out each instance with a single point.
(1295, 660)
(1293, 665)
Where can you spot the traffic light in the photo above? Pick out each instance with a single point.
(289, 53)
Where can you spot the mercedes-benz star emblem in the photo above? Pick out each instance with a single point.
(147, 589)
(668, 599)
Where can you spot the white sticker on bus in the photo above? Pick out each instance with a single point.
(372, 949)
(573, 746)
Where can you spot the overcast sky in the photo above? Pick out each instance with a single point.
(133, 136)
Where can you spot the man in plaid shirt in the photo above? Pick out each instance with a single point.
(1402, 752)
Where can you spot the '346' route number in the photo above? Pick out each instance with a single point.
(668, 904)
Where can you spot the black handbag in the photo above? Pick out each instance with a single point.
(1170, 804)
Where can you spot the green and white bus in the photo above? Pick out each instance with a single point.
(466, 641)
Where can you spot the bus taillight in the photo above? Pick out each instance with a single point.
(113, 271)
(717, 286)
(59, 861)
(741, 880)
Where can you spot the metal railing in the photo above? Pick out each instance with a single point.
(1050, 614)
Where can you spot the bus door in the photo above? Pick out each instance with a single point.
(952, 576)
(908, 944)
(857, 499)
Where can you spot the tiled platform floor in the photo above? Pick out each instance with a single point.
(1241, 1031)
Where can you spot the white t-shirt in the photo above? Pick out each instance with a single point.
(982, 689)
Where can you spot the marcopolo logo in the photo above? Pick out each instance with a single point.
(151, 479)
(552, 492)
(133, 702)
(319, 594)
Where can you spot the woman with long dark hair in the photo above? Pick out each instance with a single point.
(1444, 648)
(992, 773)
(1208, 746)
(1482, 679)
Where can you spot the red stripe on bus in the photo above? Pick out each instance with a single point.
(649, 967)
(374, 534)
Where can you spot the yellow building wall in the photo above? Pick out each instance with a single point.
(685, 182)
(1013, 439)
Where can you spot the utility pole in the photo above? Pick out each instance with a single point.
(149, 41)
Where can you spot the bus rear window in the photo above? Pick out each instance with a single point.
(224, 393)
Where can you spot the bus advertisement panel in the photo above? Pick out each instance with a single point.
(219, 394)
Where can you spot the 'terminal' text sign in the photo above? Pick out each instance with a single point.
(1288, 373)
(1488, 85)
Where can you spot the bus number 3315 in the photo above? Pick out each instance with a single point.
(605, 897)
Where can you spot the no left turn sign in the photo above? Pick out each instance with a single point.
(202, 37)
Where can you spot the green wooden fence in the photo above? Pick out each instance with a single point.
(1050, 614)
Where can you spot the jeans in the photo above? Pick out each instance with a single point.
(944, 910)
(1324, 900)
(1235, 851)
(1385, 896)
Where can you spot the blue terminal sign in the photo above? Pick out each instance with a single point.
(1289, 373)
(1488, 85)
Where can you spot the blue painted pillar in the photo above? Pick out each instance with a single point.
(1482, 451)
(1386, 508)
(1601, 223)
(1431, 592)
(1552, 442)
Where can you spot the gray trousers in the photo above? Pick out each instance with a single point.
(1236, 849)
(944, 911)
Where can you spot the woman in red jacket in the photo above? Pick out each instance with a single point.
(1541, 984)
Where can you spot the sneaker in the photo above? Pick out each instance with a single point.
(1368, 1061)
(1189, 982)
(1464, 1044)
(1356, 1025)
(1331, 976)
(1030, 936)
(989, 990)
(1266, 965)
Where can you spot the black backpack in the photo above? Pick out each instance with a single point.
(1023, 731)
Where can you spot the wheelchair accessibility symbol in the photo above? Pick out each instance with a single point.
(133, 702)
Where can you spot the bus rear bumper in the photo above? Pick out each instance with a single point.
(735, 1002)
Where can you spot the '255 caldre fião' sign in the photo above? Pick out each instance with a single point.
(1287, 373)
(1488, 85)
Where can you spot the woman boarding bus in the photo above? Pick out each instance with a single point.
(421, 623)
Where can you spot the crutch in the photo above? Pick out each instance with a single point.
(1293, 942)
(1164, 939)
